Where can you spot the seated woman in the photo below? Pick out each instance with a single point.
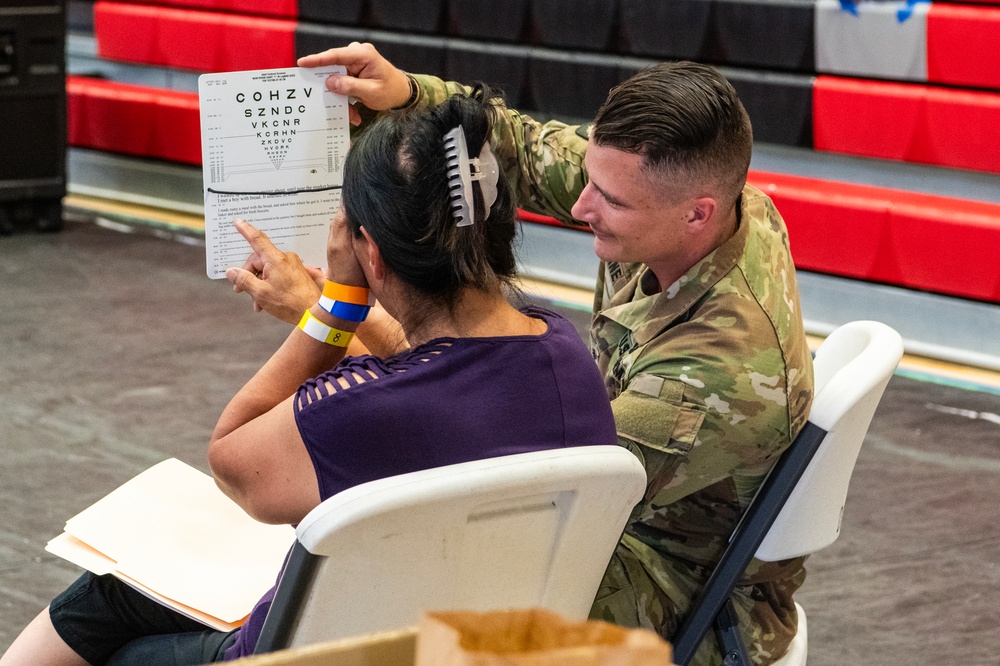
(480, 378)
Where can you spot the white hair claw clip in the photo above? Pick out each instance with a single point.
(462, 171)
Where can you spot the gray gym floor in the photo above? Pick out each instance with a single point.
(117, 352)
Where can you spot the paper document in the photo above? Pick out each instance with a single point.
(172, 534)
(273, 146)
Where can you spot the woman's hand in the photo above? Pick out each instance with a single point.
(277, 281)
(372, 80)
(342, 264)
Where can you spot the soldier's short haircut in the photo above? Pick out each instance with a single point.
(687, 122)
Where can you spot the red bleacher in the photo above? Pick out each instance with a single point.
(282, 8)
(910, 122)
(134, 120)
(921, 241)
(884, 235)
(962, 43)
(191, 39)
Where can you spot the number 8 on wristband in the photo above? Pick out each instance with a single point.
(317, 330)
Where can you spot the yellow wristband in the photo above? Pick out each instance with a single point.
(317, 330)
(347, 294)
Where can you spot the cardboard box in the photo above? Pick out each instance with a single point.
(524, 637)
(389, 648)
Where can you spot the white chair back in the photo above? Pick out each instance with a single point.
(527, 530)
(852, 367)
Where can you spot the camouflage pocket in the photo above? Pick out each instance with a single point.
(652, 412)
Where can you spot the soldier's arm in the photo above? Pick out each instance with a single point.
(544, 162)
(694, 425)
(662, 425)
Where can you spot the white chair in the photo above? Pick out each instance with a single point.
(798, 509)
(527, 530)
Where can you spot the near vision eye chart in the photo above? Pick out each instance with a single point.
(273, 148)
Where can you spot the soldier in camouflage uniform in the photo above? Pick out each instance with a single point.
(697, 327)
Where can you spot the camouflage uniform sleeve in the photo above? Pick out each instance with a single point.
(657, 422)
(432, 91)
(542, 161)
(690, 440)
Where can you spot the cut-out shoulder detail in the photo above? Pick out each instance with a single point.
(354, 371)
(358, 370)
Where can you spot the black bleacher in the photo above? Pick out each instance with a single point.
(424, 16)
(503, 20)
(338, 12)
(574, 24)
(775, 35)
(500, 65)
(560, 57)
(779, 105)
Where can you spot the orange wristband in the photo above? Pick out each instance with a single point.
(348, 294)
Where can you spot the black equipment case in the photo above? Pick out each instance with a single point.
(32, 114)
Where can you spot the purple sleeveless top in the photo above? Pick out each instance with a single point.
(447, 401)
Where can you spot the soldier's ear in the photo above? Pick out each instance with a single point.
(701, 213)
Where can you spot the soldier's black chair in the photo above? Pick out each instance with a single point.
(798, 509)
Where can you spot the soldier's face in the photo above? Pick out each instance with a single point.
(632, 218)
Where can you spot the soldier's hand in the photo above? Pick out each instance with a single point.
(371, 79)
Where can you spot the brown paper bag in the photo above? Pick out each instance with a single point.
(533, 638)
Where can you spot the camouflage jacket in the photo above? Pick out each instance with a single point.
(709, 381)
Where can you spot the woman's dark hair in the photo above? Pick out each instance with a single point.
(396, 187)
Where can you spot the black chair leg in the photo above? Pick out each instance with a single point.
(727, 632)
